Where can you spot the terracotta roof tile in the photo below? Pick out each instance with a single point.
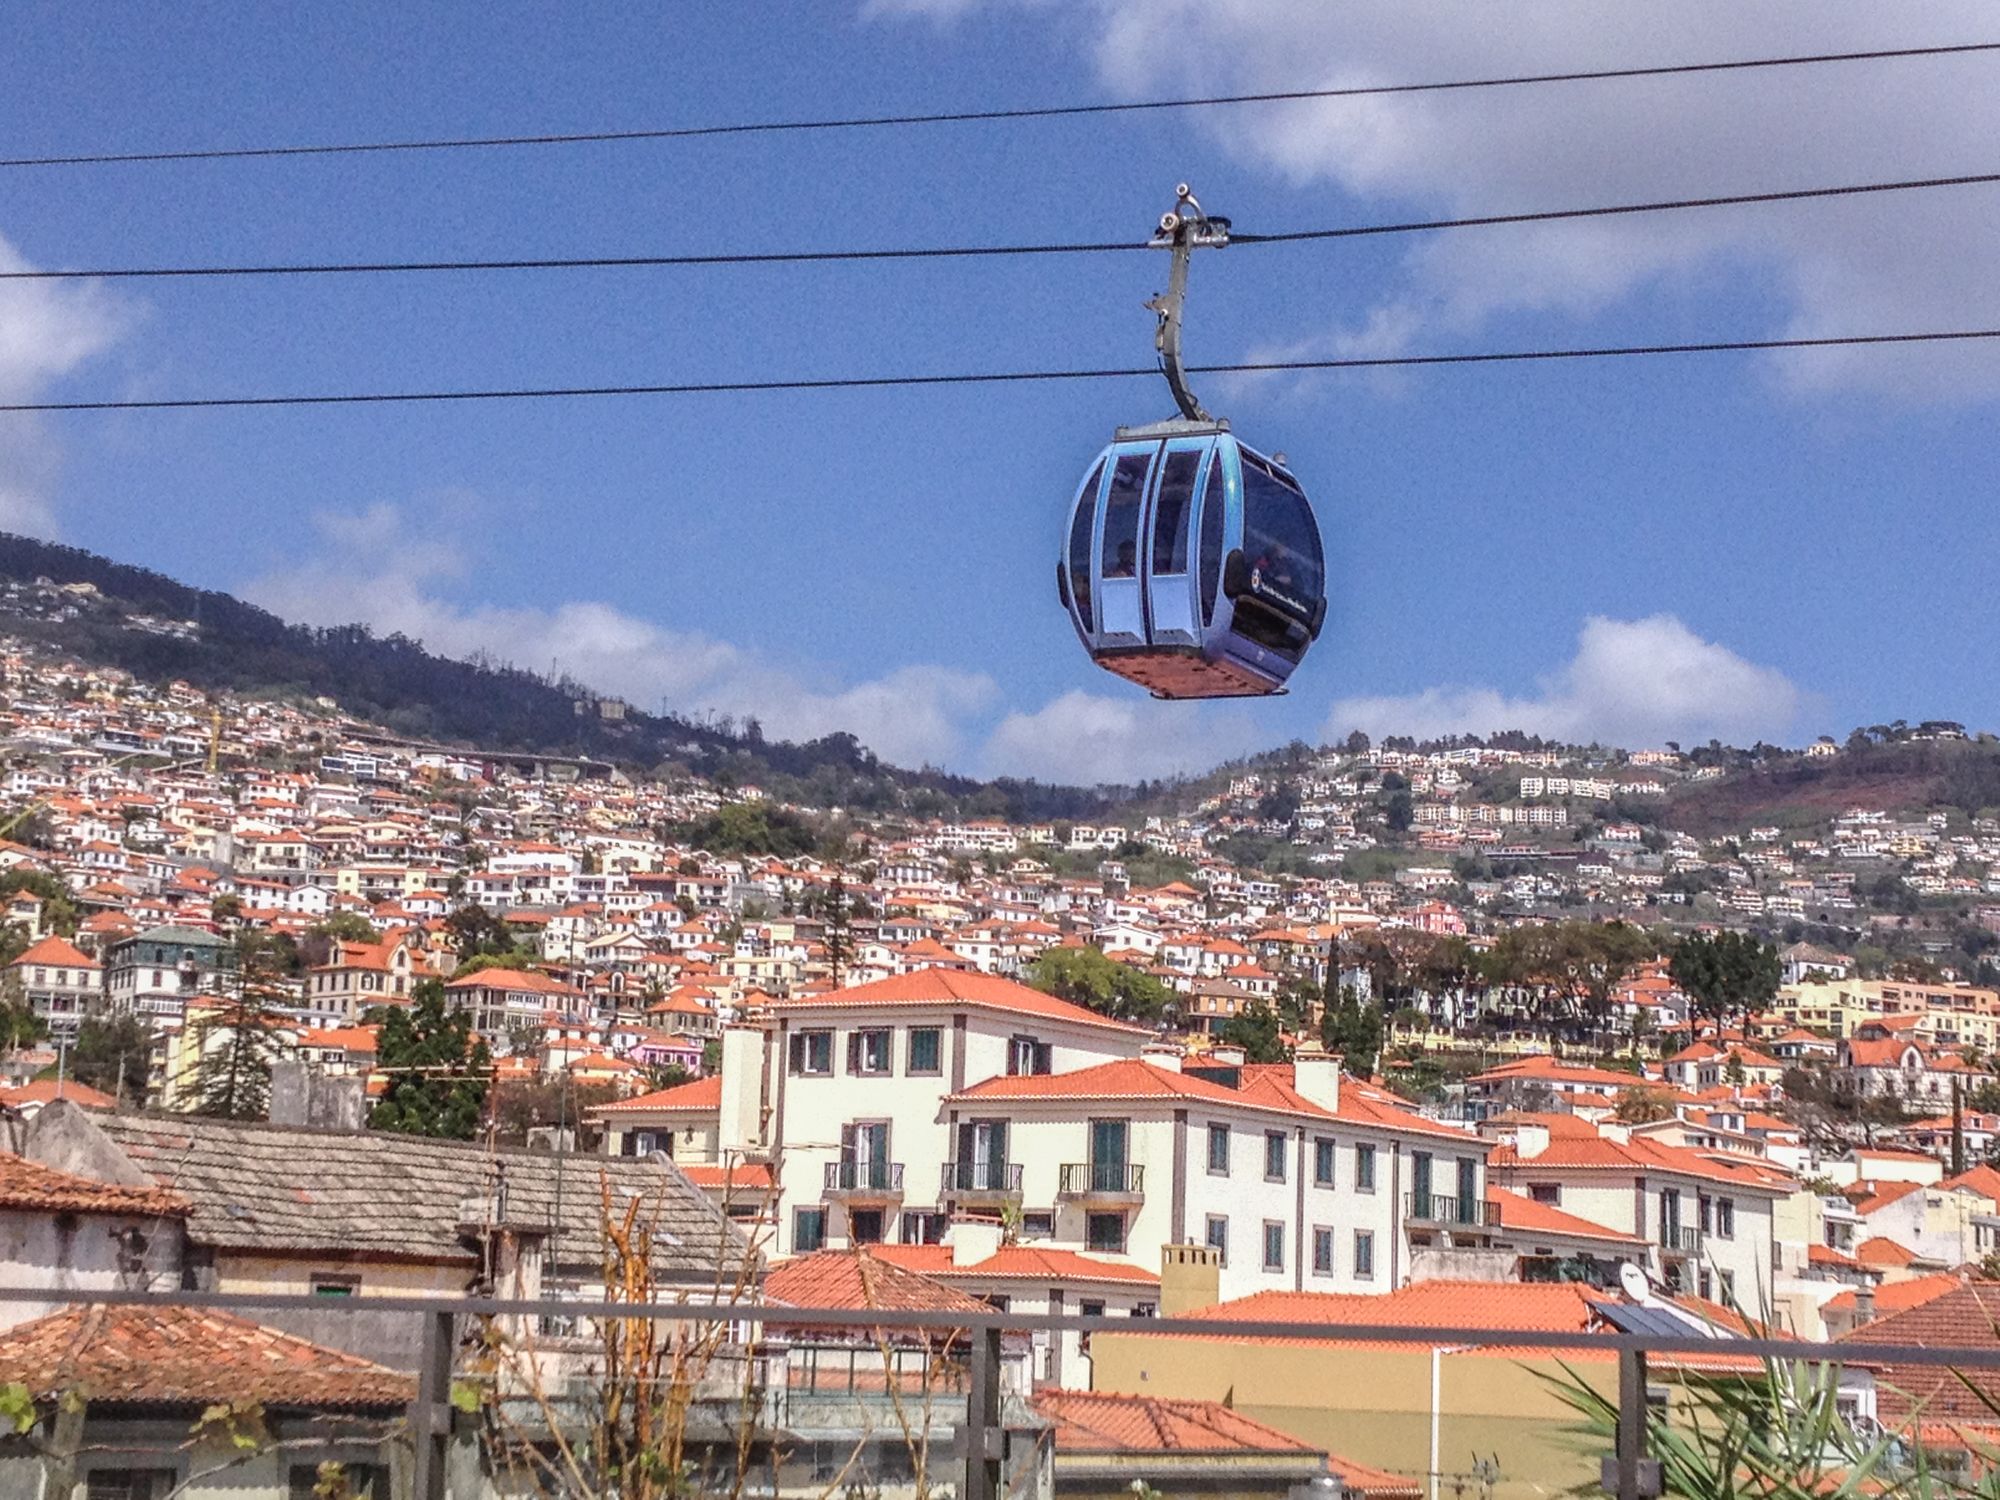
(1965, 1317)
(1025, 1262)
(47, 1090)
(188, 1355)
(1099, 1422)
(704, 1094)
(1519, 1213)
(956, 987)
(1883, 1253)
(30, 1185)
(858, 1278)
(1900, 1296)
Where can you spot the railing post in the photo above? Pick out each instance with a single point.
(983, 1435)
(430, 1417)
(1638, 1478)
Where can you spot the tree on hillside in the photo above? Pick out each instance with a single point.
(438, 1071)
(837, 927)
(1642, 1104)
(1086, 977)
(1728, 975)
(1352, 1029)
(113, 1054)
(236, 1041)
(1255, 1030)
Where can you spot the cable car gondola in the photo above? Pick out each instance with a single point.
(1191, 563)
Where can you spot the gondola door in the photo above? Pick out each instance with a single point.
(1170, 592)
(1121, 615)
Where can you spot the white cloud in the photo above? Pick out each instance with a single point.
(1894, 262)
(1088, 738)
(374, 568)
(1631, 682)
(47, 329)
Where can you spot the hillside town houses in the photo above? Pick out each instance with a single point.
(833, 1059)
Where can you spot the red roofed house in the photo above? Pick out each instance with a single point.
(71, 1233)
(60, 981)
(358, 976)
(501, 999)
(1107, 1445)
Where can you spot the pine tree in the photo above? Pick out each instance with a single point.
(438, 1071)
(1353, 1030)
(839, 932)
(236, 1040)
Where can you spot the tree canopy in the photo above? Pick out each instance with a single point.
(438, 1071)
(1084, 976)
(1728, 975)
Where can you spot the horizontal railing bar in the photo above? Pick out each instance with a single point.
(1788, 1350)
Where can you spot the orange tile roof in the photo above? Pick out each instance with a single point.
(1017, 1262)
(1897, 1296)
(1551, 1307)
(1982, 1179)
(1580, 1153)
(957, 987)
(860, 1279)
(711, 1175)
(703, 1094)
(1518, 1212)
(188, 1355)
(1883, 1254)
(1826, 1255)
(1964, 1317)
(30, 1185)
(47, 1090)
(56, 952)
(1099, 1422)
(1885, 1194)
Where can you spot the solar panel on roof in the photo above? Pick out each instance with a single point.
(1631, 1317)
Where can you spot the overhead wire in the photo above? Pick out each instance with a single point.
(970, 252)
(1007, 377)
(976, 116)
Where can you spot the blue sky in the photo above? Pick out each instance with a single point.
(1737, 546)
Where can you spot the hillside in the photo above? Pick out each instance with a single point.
(393, 681)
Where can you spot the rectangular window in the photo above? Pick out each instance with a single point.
(918, 1227)
(868, 1053)
(1104, 1232)
(1726, 1287)
(1040, 1225)
(1274, 1156)
(1323, 1154)
(1364, 1254)
(808, 1230)
(1322, 1252)
(1364, 1168)
(864, 1226)
(926, 1050)
(335, 1286)
(1215, 1234)
(1725, 1218)
(812, 1053)
(1027, 1056)
(1550, 1193)
(1274, 1245)
(1218, 1150)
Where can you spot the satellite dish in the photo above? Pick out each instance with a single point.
(1633, 1282)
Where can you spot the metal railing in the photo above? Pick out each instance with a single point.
(1680, 1239)
(864, 1177)
(1446, 1208)
(998, 1177)
(977, 1341)
(1101, 1179)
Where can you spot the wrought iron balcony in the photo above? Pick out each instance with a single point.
(1106, 1181)
(1679, 1239)
(864, 1180)
(1450, 1210)
(981, 1179)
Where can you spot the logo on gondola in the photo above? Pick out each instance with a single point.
(1276, 595)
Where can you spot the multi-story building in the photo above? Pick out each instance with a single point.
(60, 982)
(155, 973)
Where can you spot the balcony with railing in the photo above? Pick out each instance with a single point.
(1451, 1211)
(1680, 1239)
(980, 1182)
(864, 1181)
(1102, 1182)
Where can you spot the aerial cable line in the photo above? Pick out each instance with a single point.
(975, 116)
(1008, 377)
(972, 252)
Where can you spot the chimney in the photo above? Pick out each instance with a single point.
(740, 1130)
(1530, 1139)
(1228, 1057)
(1316, 1075)
(1162, 1055)
(1864, 1303)
(973, 1240)
(1190, 1278)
